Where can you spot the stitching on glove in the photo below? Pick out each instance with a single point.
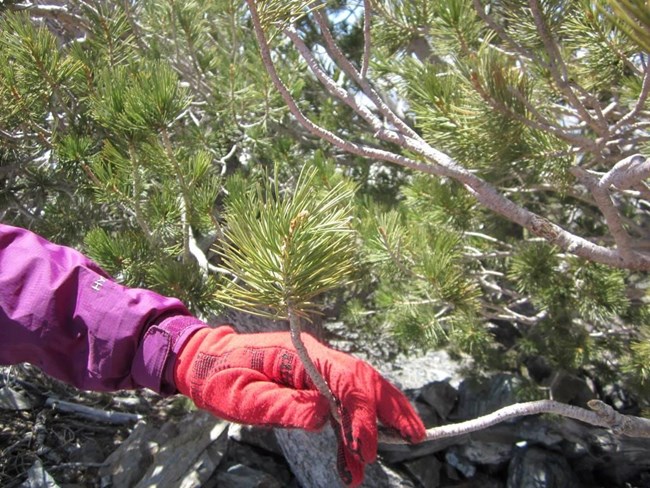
(341, 464)
(204, 366)
(257, 360)
(287, 361)
(346, 425)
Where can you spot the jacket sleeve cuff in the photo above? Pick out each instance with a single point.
(153, 365)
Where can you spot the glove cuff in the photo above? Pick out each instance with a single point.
(159, 349)
(180, 370)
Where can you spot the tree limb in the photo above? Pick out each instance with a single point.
(601, 415)
(441, 164)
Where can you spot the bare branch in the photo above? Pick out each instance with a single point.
(367, 14)
(601, 415)
(441, 164)
(638, 106)
(559, 69)
(92, 413)
(60, 13)
(329, 84)
(344, 63)
(601, 195)
(627, 172)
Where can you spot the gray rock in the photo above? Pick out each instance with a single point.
(37, 477)
(181, 453)
(571, 389)
(243, 476)
(312, 457)
(413, 372)
(480, 397)
(479, 452)
(460, 463)
(261, 437)
(12, 399)
(259, 459)
(427, 414)
(441, 396)
(425, 470)
(397, 453)
(539, 468)
(127, 464)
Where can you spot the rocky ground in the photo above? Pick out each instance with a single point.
(53, 435)
(156, 442)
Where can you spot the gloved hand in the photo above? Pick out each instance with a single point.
(259, 379)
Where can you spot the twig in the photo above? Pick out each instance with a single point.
(638, 106)
(559, 70)
(308, 364)
(367, 14)
(348, 68)
(600, 192)
(601, 415)
(91, 413)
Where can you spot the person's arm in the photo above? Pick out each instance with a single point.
(60, 311)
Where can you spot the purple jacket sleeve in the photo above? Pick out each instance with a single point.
(60, 311)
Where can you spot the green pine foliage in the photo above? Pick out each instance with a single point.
(145, 134)
(276, 242)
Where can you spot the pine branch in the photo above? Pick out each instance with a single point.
(185, 197)
(560, 73)
(605, 204)
(442, 165)
(638, 106)
(346, 66)
(367, 9)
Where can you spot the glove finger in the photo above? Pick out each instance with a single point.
(395, 411)
(246, 396)
(357, 411)
(348, 464)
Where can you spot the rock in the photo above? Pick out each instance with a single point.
(259, 459)
(540, 468)
(261, 437)
(441, 396)
(425, 470)
(12, 399)
(37, 477)
(127, 464)
(477, 398)
(185, 453)
(460, 463)
(312, 457)
(413, 372)
(397, 453)
(480, 480)
(538, 367)
(478, 452)
(182, 452)
(240, 475)
(571, 389)
(427, 414)
(90, 452)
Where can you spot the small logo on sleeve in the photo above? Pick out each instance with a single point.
(98, 283)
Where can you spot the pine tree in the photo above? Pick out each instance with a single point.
(533, 115)
(497, 150)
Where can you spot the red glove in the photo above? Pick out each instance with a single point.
(259, 379)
